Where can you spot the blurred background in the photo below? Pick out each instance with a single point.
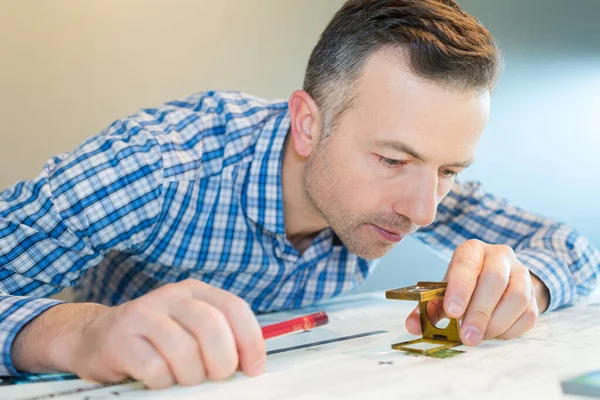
(68, 68)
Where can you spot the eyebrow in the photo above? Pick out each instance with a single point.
(403, 148)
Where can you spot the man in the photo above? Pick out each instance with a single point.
(175, 224)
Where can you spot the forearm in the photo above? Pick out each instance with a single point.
(47, 342)
(565, 261)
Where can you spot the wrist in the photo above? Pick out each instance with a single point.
(48, 343)
(70, 334)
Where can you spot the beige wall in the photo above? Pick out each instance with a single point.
(68, 68)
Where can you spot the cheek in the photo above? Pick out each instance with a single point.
(354, 181)
(365, 191)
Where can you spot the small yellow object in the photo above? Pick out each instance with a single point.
(423, 292)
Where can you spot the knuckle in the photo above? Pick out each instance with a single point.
(237, 307)
(473, 244)
(499, 274)
(522, 273)
(481, 315)
(185, 303)
(522, 270)
(504, 249)
(169, 291)
(213, 320)
(462, 282)
(521, 297)
(531, 315)
(466, 255)
(135, 311)
(193, 285)
(190, 282)
(470, 263)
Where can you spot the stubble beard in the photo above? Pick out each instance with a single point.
(320, 187)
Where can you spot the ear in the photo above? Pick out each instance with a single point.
(305, 122)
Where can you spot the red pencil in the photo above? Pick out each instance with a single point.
(297, 324)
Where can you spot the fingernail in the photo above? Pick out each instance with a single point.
(455, 307)
(473, 336)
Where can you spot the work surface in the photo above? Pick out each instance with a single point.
(351, 358)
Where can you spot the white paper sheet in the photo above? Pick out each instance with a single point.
(563, 344)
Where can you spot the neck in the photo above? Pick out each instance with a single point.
(302, 220)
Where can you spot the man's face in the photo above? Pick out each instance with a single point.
(393, 156)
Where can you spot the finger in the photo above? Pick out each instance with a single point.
(246, 330)
(524, 323)
(213, 334)
(491, 285)
(178, 348)
(140, 360)
(462, 275)
(513, 304)
(435, 310)
(435, 313)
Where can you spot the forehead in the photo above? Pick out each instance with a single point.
(392, 100)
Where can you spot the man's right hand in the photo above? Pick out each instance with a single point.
(181, 333)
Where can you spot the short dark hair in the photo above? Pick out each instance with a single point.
(443, 43)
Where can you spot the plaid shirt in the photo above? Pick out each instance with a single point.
(192, 189)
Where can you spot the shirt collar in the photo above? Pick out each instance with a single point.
(262, 197)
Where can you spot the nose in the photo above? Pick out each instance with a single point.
(419, 201)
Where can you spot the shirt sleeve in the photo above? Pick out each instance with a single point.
(105, 195)
(559, 256)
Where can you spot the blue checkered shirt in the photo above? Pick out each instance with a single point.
(192, 189)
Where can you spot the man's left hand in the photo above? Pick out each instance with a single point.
(491, 291)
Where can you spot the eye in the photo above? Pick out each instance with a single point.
(447, 173)
(390, 162)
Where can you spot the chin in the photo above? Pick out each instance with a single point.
(373, 252)
(373, 255)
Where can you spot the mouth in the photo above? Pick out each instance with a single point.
(389, 235)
